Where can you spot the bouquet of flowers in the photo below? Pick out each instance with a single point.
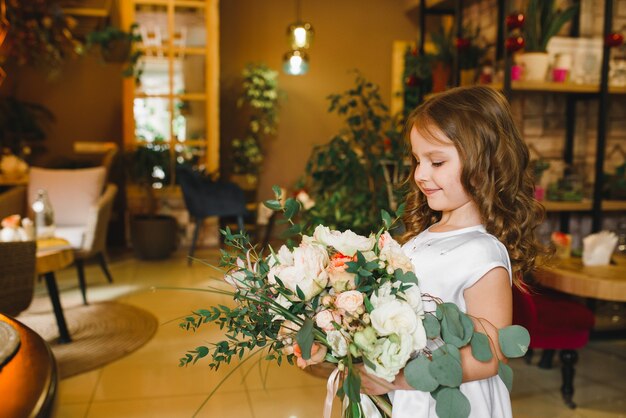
(346, 299)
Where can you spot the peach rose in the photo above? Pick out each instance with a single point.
(318, 353)
(349, 301)
(324, 319)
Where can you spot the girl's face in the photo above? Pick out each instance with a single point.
(438, 173)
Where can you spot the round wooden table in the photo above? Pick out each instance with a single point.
(55, 254)
(28, 381)
(569, 275)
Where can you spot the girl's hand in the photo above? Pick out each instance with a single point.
(373, 385)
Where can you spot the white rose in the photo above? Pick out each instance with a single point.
(347, 243)
(349, 301)
(284, 256)
(338, 343)
(413, 296)
(304, 198)
(390, 356)
(236, 276)
(308, 271)
(394, 317)
(382, 296)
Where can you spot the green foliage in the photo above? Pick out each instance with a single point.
(147, 165)
(417, 374)
(445, 49)
(259, 99)
(514, 341)
(451, 403)
(118, 45)
(22, 124)
(345, 176)
(472, 50)
(543, 22)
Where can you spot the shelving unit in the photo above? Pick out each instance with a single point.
(574, 93)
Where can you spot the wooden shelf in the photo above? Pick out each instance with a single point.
(552, 206)
(613, 205)
(554, 87)
(584, 206)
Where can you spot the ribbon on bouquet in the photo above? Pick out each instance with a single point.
(369, 408)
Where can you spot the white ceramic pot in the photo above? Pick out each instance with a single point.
(534, 65)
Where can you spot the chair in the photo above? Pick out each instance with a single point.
(82, 209)
(17, 276)
(554, 323)
(204, 197)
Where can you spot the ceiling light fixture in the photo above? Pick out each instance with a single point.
(300, 35)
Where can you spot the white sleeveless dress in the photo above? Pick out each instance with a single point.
(447, 263)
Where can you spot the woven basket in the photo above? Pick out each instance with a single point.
(17, 276)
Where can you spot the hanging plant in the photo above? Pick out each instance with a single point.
(38, 34)
(117, 45)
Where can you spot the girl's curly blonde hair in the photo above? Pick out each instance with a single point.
(495, 169)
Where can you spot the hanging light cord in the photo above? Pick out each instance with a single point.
(298, 11)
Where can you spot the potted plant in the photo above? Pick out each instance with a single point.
(117, 45)
(259, 101)
(471, 49)
(443, 57)
(152, 235)
(417, 78)
(22, 124)
(542, 22)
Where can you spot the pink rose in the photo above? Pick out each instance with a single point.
(349, 301)
(324, 319)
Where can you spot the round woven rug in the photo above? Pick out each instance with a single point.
(101, 333)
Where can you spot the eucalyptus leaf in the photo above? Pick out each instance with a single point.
(481, 349)
(432, 326)
(386, 218)
(277, 191)
(514, 341)
(417, 375)
(506, 374)
(408, 277)
(304, 337)
(446, 369)
(451, 403)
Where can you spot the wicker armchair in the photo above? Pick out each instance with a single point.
(17, 276)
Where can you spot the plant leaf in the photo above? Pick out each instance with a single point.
(432, 326)
(417, 375)
(304, 337)
(481, 349)
(273, 204)
(514, 341)
(445, 368)
(451, 403)
(291, 207)
(506, 374)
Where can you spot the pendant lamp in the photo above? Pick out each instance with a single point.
(299, 36)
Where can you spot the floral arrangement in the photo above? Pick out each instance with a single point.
(346, 299)
(471, 48)
(260, 99)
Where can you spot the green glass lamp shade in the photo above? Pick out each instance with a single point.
(296, 62)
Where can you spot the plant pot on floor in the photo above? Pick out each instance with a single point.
(153, 237)
(534, 65)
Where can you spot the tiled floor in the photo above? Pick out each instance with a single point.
(149, 383)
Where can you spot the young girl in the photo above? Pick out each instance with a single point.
(470, 218)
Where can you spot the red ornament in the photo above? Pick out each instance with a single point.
(462, 43)
(515, 21)
(414, 52)
(614, 39)
(514, 43)
(411, 81)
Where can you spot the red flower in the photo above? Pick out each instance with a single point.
(614, 39)
(514, 43)
(515, 21)
(462, 43)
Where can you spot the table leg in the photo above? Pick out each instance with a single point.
(53, 292)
